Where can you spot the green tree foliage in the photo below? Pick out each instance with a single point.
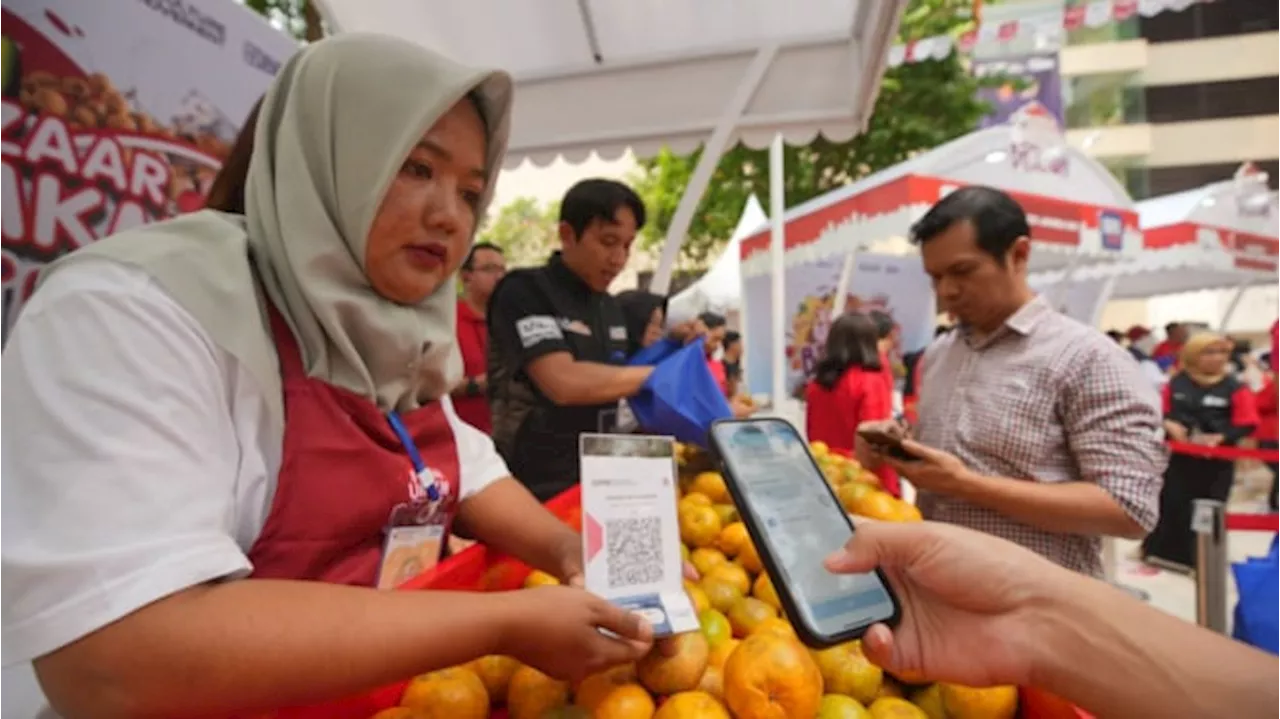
(920, 106)
(299, 18)
(525, 230)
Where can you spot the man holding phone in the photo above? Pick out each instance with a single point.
(1032, 426)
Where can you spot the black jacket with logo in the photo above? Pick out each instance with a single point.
(535, 312)
(1226, 408)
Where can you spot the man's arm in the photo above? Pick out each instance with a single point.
(1067, 507)
(1170, 667)
(523, 324)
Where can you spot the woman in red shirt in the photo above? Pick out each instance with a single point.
(1268, 401)
(848, 388)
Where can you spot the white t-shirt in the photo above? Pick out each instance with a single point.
(138, 461)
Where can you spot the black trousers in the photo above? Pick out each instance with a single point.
(1187, 479)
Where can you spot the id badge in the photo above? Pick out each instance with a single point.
(409, 551)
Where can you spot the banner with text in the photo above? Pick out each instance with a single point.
(897, 285)
(1028, 79)
(118, 113)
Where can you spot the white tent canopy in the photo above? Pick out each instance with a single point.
(1220, 236)
(720, 289)
(604, 76)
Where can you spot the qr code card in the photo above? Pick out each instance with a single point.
(632, 544)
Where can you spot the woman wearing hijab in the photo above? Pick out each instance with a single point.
(231, 428)
(646, 317)
(1203, 404)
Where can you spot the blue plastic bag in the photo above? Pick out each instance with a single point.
(1258, 585)
(654, 353)
(680, 398)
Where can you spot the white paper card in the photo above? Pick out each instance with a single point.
(631, 548)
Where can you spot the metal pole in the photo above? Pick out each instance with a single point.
(1208, 521)
(778, 273)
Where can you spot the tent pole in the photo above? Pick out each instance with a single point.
(712, 150)
(778, 272)
(842, 285)
(1232, 305)
(1104, 296)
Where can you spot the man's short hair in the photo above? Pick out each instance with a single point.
(884, 323)
(598, 199)
(997, 219)
(471, 254)
(712, 320)
(731, 336)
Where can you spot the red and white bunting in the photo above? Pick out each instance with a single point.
(1092, 14)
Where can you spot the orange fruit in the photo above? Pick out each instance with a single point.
(819, 449)
(769, 676)
(704, 558)
(596, 687)
(732, 538)
(749, 559)
(764, 591)
(876, 505)
(776, 626)
(393, 713)
(963, 702)
(907, 676)
(895, 708)
(733, 574)
(720, 652)
(678, 673)
(453, 692)
(889, 688)
(722, 593)
(929, 700)
(539, 578)
(629, 701)
(495, 671)
(715, 627)
(851, 493)
(908, 512)
(846, 670)
(839, 706)
(747, 614)
(712, 682)
(692, 705)
(698, 597)
(533, 694)
(699, 525)
(727, 512)
(695, 498)
(711, 484)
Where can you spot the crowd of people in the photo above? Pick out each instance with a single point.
(234, 426)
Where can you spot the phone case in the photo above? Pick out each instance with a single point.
(810, 636)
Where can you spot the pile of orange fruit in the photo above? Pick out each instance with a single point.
(745, 663)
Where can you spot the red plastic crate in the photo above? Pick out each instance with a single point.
(478, 568)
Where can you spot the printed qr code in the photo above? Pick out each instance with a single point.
(634, 547)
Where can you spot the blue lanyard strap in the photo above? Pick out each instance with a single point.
(411, 449)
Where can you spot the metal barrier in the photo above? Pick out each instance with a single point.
(1208, 521)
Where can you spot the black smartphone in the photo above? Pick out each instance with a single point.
(795, 521)
(889, 443)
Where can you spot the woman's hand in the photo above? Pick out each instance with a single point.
(742, 407)
(967, 601)
(1176, 431)
(557, 630)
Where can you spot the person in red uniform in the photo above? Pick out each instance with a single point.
(1203, 404)
(1268, 400)
(1168, 351)
(848, 388)
(480, 272)
(198, 521)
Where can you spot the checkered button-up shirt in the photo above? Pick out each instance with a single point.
(1043, 399)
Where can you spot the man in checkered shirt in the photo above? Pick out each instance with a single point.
(1032, 426)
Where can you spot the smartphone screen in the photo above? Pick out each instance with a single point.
(800, 522)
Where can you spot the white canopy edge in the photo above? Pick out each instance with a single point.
(720, 289)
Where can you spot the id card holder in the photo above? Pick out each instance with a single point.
(409, 551)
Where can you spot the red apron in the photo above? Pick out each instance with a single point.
(343, 471)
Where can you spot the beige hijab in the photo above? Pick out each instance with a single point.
(335, 127)
(1189, 357)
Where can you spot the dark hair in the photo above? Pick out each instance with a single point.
(227, 192)
(598, 199)
(712, 320)
(997, 219)
(731, 336)
(1172, 327)
(851, 342)
(637, 307)
(884, 323)
(940, 330)
(471, 254)
(1116, 335)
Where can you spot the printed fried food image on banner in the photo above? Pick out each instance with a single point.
(106, 123)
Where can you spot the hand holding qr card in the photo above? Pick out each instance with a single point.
(632, 537)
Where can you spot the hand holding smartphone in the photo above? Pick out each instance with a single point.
(886, 438)
(795, 521)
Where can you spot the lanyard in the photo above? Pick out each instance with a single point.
(415, 457)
